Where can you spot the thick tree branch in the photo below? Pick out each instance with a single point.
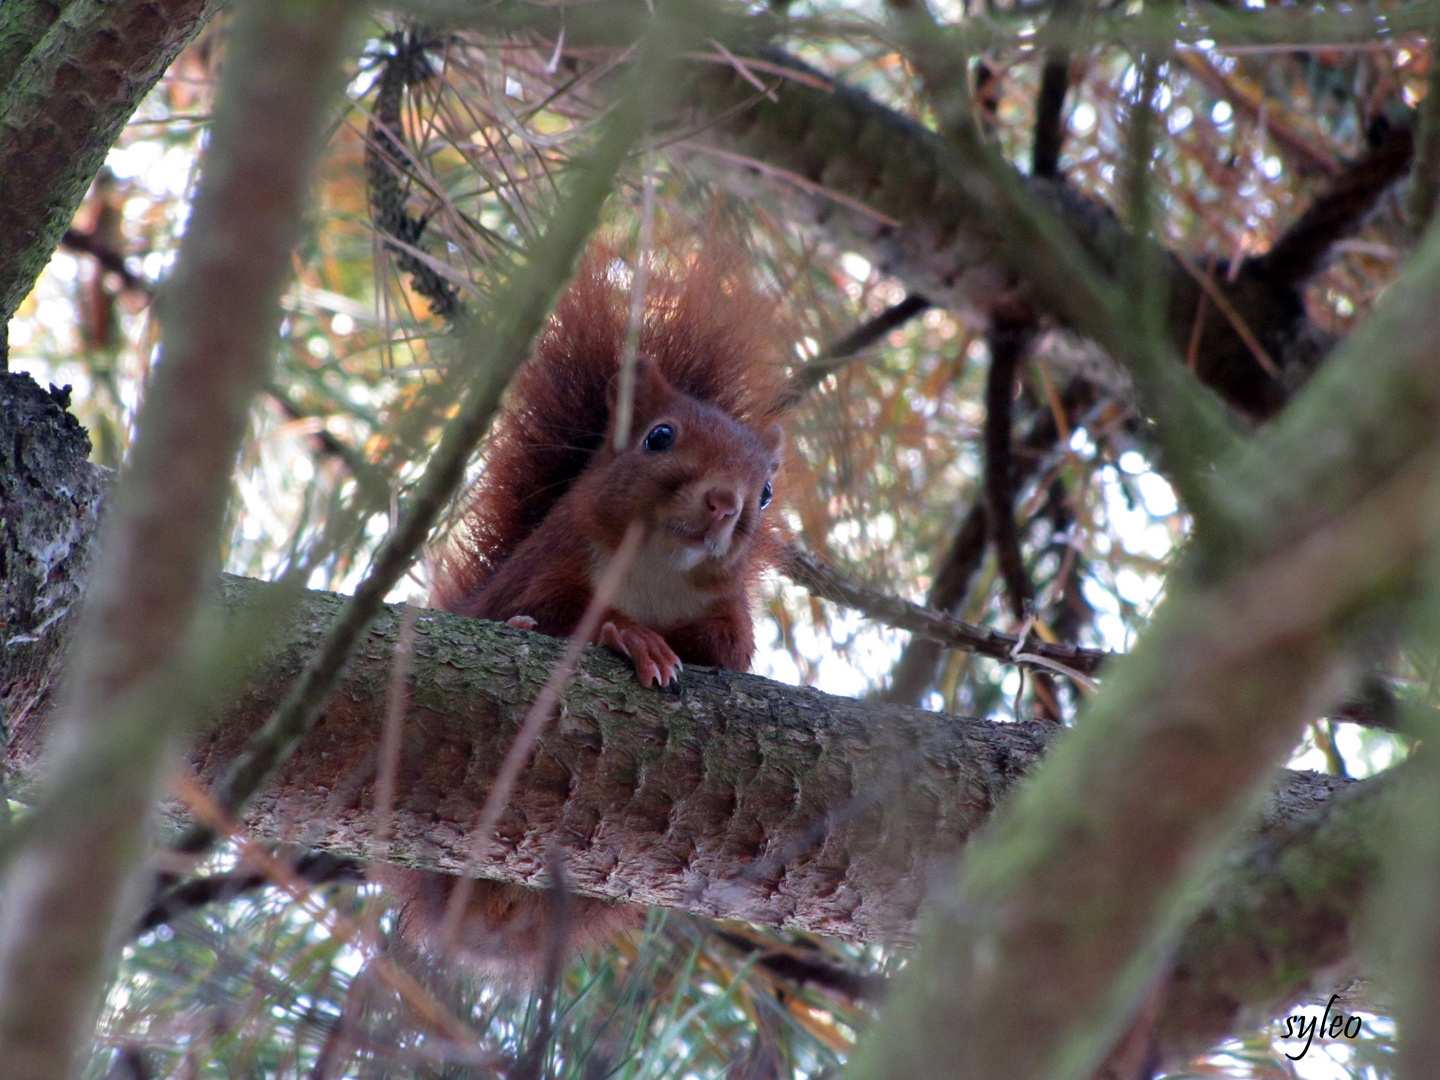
(806, 378)
(804, 569)
(1319, 870)
(869, 176)
(51, 495)
(731, 797)
(879, 183)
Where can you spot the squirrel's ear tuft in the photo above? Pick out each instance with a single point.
(774, 439)
(653, 392)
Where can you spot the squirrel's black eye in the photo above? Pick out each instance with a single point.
(766, 495)
(661, 438)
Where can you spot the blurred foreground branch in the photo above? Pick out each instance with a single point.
(65, 888)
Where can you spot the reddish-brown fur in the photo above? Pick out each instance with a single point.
(555, 499)
(711, 332)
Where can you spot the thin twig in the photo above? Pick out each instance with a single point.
(313, 868)
(1337, 212)
(1008, 343)
(810, 187)
(797, 967)
(635, 324)
(108, 258)
(371, 478)
(1237, 322)
(558, 900)
(828, 583)
(390, 737)
(806, 378)
(1065, 610)
(1306, 147)
(1141, 270)
(914, 672)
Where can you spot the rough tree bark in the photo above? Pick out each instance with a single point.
(730, 796)
(49, 504)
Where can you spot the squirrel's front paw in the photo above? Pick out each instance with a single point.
(655, 661)
(521, 622)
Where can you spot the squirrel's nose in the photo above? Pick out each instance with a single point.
(722, 502)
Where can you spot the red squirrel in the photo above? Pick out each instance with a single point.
(556, 497)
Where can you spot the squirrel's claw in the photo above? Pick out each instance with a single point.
(521, 622)
(655, 662)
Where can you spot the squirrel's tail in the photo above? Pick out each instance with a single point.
(506, 931)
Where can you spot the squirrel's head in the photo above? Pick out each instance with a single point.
(698, 478)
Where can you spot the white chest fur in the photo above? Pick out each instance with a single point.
(657, 591)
